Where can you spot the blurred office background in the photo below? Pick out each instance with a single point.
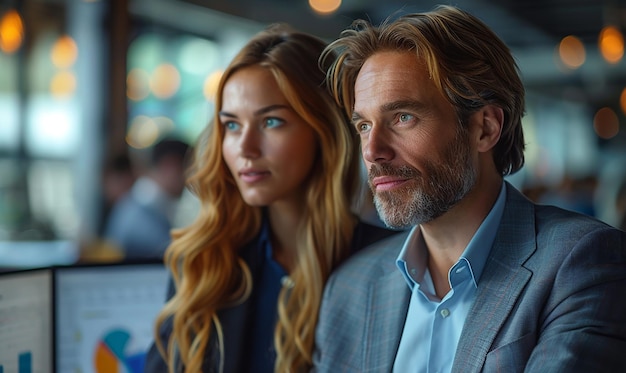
(84, 82)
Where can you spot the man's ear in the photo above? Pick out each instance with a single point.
(491, 119)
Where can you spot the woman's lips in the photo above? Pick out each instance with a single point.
(253, 176)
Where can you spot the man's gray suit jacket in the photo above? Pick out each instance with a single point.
(552, 298)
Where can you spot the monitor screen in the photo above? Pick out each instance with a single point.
(104, 316)
(26, 321)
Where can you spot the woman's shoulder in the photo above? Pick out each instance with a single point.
(366, 234)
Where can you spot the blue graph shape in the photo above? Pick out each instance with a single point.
(116, 340)
(24, 363)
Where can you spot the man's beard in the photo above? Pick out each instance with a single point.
(425, 199)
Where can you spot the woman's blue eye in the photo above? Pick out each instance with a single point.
(231, 126)
(273, 122)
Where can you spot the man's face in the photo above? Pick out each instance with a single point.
(420, 162)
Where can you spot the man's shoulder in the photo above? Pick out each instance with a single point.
(554, 220)
(549, 221)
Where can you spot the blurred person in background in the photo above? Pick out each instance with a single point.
(485, 280)
(140, 222)
(118, 177)
(276, 182)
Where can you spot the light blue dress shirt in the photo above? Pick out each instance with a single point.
(433, 326)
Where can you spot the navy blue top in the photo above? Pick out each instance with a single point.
(262, 354)
(250, 325)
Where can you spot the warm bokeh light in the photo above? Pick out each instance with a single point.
(324, 6)
(572, 52)
(11, 31)
(63, 84)
(622, 101)
(137, 84)
(64, 52)
(142, 132)
(164, 124)
(210, 85)
(606, 123)
(165, 81)
(611, 43)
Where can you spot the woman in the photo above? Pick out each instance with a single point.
(276, 179)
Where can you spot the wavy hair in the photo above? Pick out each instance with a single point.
(208, 272)
(467, 61)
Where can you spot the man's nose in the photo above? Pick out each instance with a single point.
(377, 146)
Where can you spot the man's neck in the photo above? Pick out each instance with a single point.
(447, 236)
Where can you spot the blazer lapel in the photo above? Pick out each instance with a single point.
(235, 320)
(235, 334)
(501, 283)
(388, 306)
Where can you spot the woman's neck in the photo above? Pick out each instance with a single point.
(284, 222)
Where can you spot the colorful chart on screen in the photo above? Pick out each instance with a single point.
(26, 322)
(113, 354)
(105, 317)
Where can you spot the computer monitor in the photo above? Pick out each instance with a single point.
(26, 321)
(104, 316)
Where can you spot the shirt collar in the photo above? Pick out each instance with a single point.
(478, 249)
(475, 254)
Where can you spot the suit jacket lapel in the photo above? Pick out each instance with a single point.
(388, 306)
(501, 283)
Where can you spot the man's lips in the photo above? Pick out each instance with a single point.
(384, 183)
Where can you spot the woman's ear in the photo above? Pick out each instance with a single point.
(491, 120)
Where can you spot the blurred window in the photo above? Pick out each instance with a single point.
(167, 78)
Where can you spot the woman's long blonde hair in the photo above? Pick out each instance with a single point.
(208, 272)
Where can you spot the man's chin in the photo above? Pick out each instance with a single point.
(397, 226)
(391, 216)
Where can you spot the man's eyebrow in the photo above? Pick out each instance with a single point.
(403, 104)
(393, 106)
(355, 117)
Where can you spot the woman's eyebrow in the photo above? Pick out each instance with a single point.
(261, 111)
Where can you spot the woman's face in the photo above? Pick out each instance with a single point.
(269, 149)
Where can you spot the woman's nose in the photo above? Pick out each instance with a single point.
(249, 143)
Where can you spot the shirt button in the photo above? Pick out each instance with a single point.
(445, 313)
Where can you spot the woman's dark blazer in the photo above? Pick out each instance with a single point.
(234, 320)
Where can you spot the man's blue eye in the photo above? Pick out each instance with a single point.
(362, 127)
(405, 117)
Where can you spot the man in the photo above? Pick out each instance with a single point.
(485, 281)
(140, 222)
